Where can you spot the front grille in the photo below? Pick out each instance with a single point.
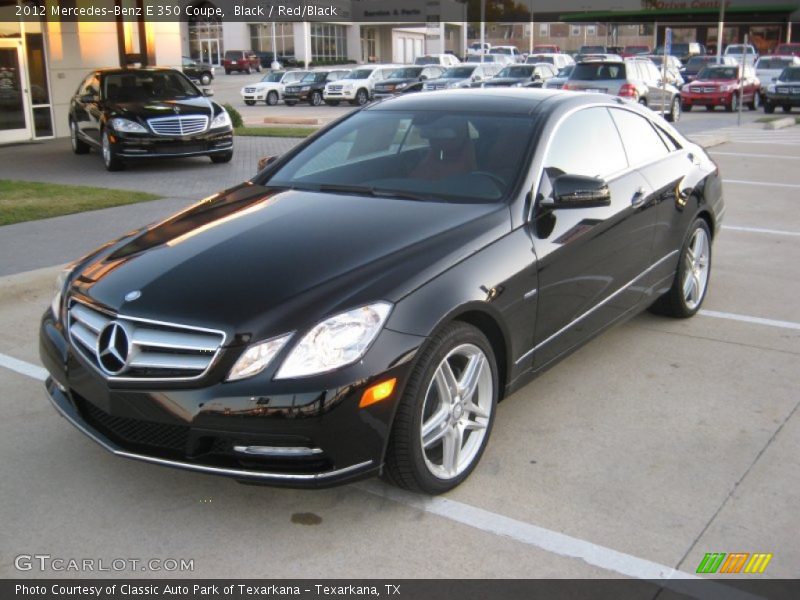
(146, 349)
(703, 90)
(335, 88)
(127, 431)
(248, 90)
(292, 90)
(180, 125)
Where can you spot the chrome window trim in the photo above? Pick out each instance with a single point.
(594, 308)
(90, 361)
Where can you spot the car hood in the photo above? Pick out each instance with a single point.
(260, 262)
(163, 108)
(397, 81)
(507, 80)
(714, 81)
(262, 85)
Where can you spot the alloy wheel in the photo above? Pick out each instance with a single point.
(106, 149)
(73, 137)
(697, 266)
(456, 411)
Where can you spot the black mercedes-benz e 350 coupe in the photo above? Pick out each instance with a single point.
(363, 303)
(144, 113)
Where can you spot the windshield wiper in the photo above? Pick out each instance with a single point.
(376, 192)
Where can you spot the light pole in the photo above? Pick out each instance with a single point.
(720, 27)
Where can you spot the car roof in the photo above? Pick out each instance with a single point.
(511, 101)
(111, 70)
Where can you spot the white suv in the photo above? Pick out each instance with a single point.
(270, 88)
(357, 87)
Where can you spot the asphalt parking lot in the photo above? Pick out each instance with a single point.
(656, 443)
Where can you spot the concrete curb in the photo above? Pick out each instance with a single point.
(780, 123)
(709, 140)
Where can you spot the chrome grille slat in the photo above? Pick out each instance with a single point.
(179, 125)
(156, 360)
(158, 351)
(93, 320)
(168, 339)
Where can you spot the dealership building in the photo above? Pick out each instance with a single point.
(44, 58)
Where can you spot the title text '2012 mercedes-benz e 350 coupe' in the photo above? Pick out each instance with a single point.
(362, 304)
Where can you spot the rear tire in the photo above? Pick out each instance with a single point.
(768, 108)
(690, 285)
(710, 108)
(674, 114)
(451, 396)
(315, 99)
(787, 109)
(78, 145)
(272, 98)
(250, 102)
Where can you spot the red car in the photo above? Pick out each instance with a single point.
(631, 51)
(244, 61)
(787, 49)
(719, 85)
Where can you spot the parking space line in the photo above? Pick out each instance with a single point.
(746, 155)
(748, 319)
(551, 541)
(760, 230)
(763, 183)
(22, 367)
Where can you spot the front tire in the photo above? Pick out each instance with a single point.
(445, 416)
(733, 105)
(315, 99)
(272, 98)
(250, 102)
(756, 103)
(205, 78)
(111, 161)
(362, 97)
(787, 109)
(225, 157)
(769, 108)
(689, 287)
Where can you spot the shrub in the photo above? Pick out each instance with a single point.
(236, 117)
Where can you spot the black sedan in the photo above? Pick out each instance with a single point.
(144, 113)
(363, 303)
(406, 80)
(522, 76)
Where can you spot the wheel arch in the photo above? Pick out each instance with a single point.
(490, 327)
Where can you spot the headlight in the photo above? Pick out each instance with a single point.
(60, 282)
(257, 358)
(518, 84)
(347, 88)
(305, 88)
(221, 120)
(335, 342)
(771, 88)
(400, 86)
(127, 126)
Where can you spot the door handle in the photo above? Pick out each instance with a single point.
(639, 197)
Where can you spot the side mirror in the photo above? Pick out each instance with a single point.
(208, 92)
(264, 161)
(423, 77)
(578, 191)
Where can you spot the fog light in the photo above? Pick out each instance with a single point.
(377, 392)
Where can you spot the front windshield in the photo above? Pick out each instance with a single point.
(719, 73)
(773, 63)
(144, 86)
(517, 72)
(421, 155)
(500, 51)
(732, 49)
(274, 77)
(540, 59)
(316, 77)
(592, 50)
(699, 61)
(459, 73)
(407, 73)
(792, 74)
(360, 73)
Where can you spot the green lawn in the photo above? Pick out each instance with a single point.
(291, 132)
(28, 201)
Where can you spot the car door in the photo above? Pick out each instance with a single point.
(589, 259)
(87, 108)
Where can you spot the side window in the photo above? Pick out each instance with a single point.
(642, 143)
(586, 143)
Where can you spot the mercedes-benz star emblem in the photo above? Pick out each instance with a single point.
(113, 348)
(134, 295)
(176, 110)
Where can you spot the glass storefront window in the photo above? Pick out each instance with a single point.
(328, 42)
(261, 38)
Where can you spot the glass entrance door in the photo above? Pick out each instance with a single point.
(14, 123)
(209, 52)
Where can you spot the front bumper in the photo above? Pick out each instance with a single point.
(296, 96)
(709, 99)
(214, 428)
(339, 95)
(133, 145)
(784, 99)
